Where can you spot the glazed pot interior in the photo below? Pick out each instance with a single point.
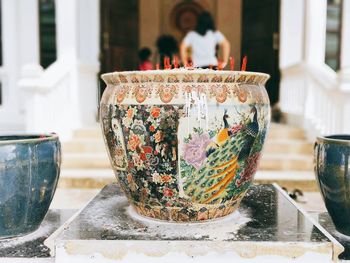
(343, 137)
(25, 137)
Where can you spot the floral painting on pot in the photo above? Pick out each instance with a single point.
(185, 145)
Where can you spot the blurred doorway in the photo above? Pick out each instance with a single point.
(260, 40)
(119, 36)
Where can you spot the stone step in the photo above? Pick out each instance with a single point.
(285, 162)
(277, 131)
(271, 146)
(88, 133)
(82, 145)
(281, 131)
(97, 178)
(86, 178)
(86, 161)
(288, 146)
(291, 180)
(269, 161)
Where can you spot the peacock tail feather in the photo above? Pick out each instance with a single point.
(209, 184)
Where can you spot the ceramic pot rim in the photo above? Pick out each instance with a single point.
(329, 139)
(37, 138)
(244, 77)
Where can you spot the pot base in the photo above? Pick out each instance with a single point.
(182, 214)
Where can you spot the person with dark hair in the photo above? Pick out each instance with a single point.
(203, 42)
(167, 47)
(144, 56)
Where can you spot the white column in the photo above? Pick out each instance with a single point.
(315, 31)
(10, 116)
(88, 54)
(345, 36)
(66, 28)
(291, 32)
(28, 33)
(344, 72)
(78, 33)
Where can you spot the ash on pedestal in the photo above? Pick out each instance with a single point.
(267, 224)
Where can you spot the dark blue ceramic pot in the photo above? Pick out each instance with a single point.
(29, 172)
(332, 169)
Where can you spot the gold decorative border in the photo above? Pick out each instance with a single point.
(186, 76)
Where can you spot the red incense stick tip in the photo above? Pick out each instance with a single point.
(167, 63)
(219, 65)
(176, 62)
(232, 63)
(244, 63)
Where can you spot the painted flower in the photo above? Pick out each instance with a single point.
(194, 152)
(127, 122)
(119, 157)
(158, 136)
(138, 127)
(146, 153)
(131, 113)
(242, 96)
(170, 203)
(166, 178)
(155, 112)
(168, 192)
(250, 169)
(134, 142)
(144, 192)
(156, 177)
(236, 128)
(137, 162)
(133, 186)
(151, 128)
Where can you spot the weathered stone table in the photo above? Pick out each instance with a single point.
(268, 227)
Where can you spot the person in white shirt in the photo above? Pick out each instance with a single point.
(203, 42)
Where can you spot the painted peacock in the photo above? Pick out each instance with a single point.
(225, 157)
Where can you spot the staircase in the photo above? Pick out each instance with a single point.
(287, 160)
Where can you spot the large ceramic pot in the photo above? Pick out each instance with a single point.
(185, 144)
(332, 170)
(29, 171)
